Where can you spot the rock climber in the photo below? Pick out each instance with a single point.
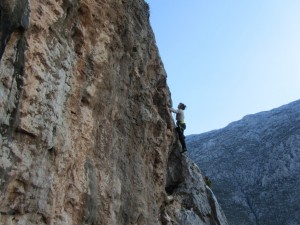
(181, 126)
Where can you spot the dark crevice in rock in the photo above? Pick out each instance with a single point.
(4, 129)
(11, 212)
(174, 171)
(18, 78)
(5, 29)
(25, 132)
(12, 20)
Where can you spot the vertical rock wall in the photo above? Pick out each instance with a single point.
(85, 133)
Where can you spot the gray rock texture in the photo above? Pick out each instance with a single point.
(254, 165)
(85, 131)
(191, 202)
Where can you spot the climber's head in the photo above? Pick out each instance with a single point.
(181, 106)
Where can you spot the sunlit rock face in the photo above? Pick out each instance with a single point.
(85, 131)
(254, 165)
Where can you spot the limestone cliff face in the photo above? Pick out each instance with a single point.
(85, 132)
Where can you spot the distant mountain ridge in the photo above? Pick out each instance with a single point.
(254, 164)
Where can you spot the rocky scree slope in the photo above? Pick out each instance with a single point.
(85, 134)
(254, 164)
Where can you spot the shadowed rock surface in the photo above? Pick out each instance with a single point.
(85, 135)
(254, 165)
(191, 202)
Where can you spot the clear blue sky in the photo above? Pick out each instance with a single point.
(228, 58)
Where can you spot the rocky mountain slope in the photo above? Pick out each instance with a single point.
(85, 132)
(254, 164)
